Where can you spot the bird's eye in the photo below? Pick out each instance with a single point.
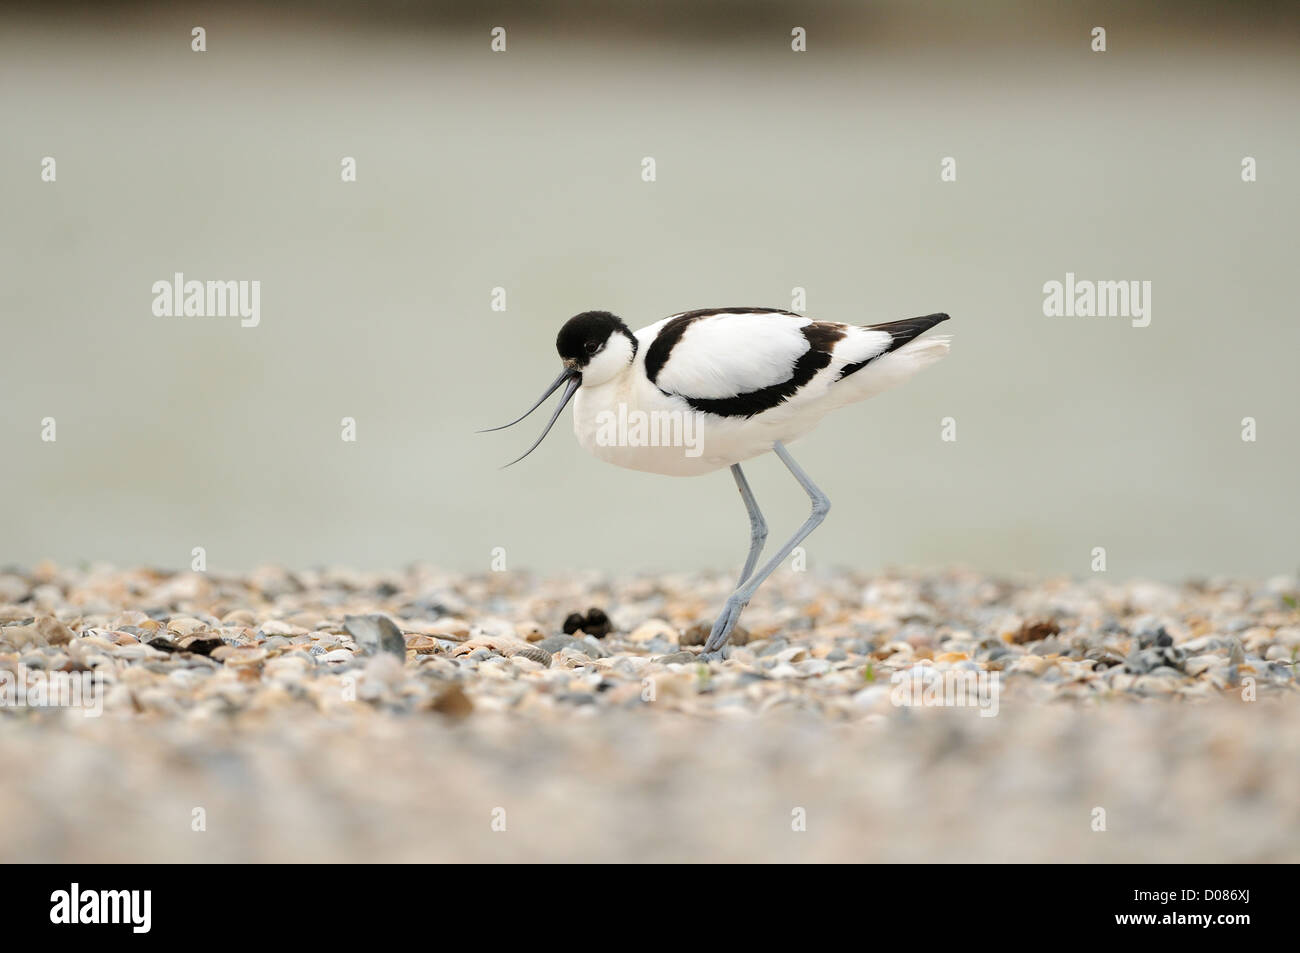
(592, 347)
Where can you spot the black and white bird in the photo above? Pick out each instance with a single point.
(708, 389)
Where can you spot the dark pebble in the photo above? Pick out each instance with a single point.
(597, 623)
(697, 634)
(1154, 638)
(594, 623)
(205, 646)
(1036, 631)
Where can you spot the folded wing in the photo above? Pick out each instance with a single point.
(742, 361)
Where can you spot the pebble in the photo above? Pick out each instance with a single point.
(245, 656)
(452, 702)
(653, 630)
(375, 633)
(555, 643)
(535, 654)
(827, 646)
(814, 666)
(1149, 659)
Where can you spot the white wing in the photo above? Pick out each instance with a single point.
(739, 362)
(721, 354)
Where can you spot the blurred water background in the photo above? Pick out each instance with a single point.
(522, 170)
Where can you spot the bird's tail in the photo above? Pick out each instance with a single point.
(890, 370)
(923, 352)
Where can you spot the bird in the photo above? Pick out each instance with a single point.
(709, 389)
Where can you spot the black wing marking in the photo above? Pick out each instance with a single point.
(662, 346)
(901, 332)
(821, 338)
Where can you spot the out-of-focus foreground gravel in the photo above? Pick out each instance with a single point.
(422, 716)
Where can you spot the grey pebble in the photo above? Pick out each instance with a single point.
(376, 633)
(554, 643)
(1145, 661)
(537, 654)
(813, 666)
(592, 647)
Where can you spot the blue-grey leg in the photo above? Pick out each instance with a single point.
(821, 505)
(757, 525)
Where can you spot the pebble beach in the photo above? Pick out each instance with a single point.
(419, 715)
